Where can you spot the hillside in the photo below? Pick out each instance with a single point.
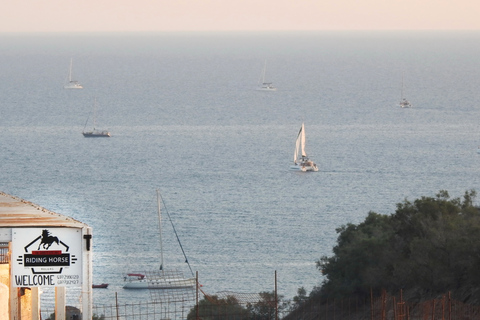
(428, 248)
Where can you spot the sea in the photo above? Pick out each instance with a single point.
(185, 119)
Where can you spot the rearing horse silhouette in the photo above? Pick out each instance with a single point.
(47, 240)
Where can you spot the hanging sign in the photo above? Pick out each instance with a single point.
(46, 257)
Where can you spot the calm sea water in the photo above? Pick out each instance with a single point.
(185, 119)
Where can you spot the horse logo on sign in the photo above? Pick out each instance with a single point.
(47, 240)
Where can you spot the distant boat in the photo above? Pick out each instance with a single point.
(103, 285)
(95, 133)
(72, 84)
(301, 161)
(404, 103)
(263, 85)
(160, 279)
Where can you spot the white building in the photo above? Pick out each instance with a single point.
(38, 249)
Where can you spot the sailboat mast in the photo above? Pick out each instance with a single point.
(70, 73)
(94, 112)
(264, 71)
(160, 229)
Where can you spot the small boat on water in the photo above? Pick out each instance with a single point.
(263, 85)
(404, 103)
(102, 286)
(95, 133)
(72, 84)
(301, 162)
(159, 279)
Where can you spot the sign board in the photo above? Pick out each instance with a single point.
(46, 257)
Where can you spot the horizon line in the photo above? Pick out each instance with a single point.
(229, 31)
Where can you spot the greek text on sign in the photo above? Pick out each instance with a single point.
(43, 257)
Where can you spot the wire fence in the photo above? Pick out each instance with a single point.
(195, 304)
(143, 311)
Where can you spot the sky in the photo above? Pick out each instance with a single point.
(236, 15)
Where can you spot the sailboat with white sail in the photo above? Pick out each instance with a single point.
(160, 279)
(263, 85)
(301, 162)
(72, 84)
(95, 133)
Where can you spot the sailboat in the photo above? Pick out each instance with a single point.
(95, 133)
(72, 84)
(404, 103)
(160, 279)
(263, 85)
(301, 161)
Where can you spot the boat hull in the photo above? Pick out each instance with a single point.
(405, 103)
(160, 284)
(73, 87)
(304, 168)
(105, 134)
(269, 88)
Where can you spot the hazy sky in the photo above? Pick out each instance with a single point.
(227, 15)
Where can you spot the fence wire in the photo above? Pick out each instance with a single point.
(182, 304)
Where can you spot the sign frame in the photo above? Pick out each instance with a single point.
(47, 257)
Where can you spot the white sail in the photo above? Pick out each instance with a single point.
(303, 141)
(296, 154)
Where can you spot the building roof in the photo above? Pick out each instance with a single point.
(16, 212)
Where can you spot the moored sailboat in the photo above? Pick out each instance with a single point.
(72, 84)
(160, 279)
(95, 133)
(263, 85)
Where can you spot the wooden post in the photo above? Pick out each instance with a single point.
(116, 305)
(14, 301)
(35, 303)
(394, 308)
(60, 303)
